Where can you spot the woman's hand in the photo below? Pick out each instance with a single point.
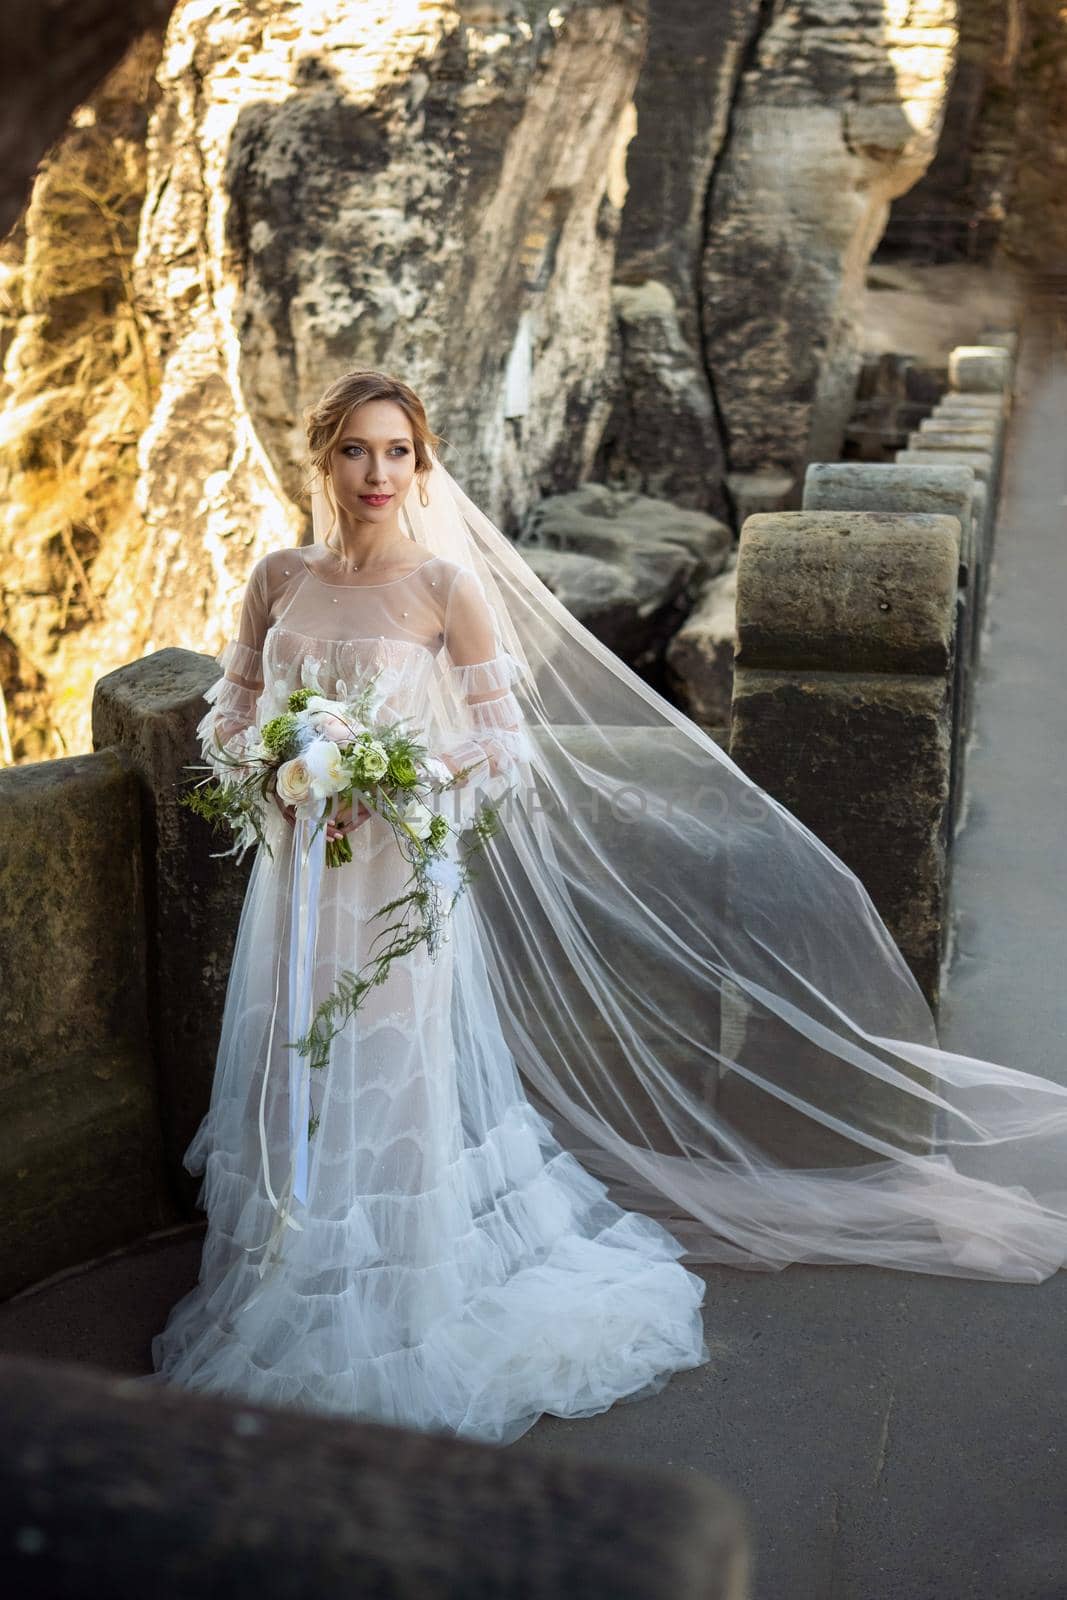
(288, 812)
(344, 822)
(337, 826)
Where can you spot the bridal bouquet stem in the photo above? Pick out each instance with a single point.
(319, 755)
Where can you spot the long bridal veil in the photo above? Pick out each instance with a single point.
(702, 997)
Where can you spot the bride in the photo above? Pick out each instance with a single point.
(723, 1054)
(454, 1268)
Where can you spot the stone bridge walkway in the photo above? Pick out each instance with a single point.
(893, 1437)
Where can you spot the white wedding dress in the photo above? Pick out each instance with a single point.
(456, 1268)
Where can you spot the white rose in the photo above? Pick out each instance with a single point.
(326, 768)
(293, 782)
(418, 818)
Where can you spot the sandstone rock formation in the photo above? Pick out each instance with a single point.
(627, 565)
(616, 240)
(341, 185)
(838, 111)
(80, 382)
(51, 60)
(333, 185)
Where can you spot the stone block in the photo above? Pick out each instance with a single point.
(633, 609)
(978, 404)
(843, 702)
(112, 1489)
(81, 1164)
(848, 591)
(864, 760)
(979, 369)
(955, 423)
(626, 565)
(619, 525)
(981, 439)
(980, 461)
(944, 491)
(888, 487)
(149, 709)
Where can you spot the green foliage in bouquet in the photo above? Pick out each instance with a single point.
(380, 767)
(402, 936)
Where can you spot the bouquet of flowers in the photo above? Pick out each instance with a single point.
(320, 751)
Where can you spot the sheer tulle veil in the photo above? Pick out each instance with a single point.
(702, 997)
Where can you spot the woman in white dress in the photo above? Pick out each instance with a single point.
(701, 995)
(454, 1268)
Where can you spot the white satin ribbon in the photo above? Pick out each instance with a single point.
(306, 866)
(310, 850)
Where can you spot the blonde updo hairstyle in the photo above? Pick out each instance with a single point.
(324, 424)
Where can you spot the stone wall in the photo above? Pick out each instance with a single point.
(858, 624)
(81, 1164)
(103, 1481)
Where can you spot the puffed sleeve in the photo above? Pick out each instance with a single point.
(494, 740)
(232, 697)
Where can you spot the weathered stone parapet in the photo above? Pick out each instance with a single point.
(870, 592)
(978, 410)
(981, 461)
(111, 1488)
(979, 369)
(984, 467)
(149, 709)
(935, 491)
(945, 438)
(880, 486)
(967, 424)
(81, 1167)
(843, 696)
(979, 403)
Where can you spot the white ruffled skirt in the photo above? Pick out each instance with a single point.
(456, 1269)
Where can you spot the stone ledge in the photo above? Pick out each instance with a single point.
(80, 1161)
(821, 589)
(234, 1493)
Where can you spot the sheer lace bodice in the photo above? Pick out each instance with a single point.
(428, 627)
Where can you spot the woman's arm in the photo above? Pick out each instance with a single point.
(495, 740)
(232, 698)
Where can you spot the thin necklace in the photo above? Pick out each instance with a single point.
(351, 566)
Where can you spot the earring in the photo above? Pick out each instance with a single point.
(424, 498)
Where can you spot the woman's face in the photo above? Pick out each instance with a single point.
(374, 457)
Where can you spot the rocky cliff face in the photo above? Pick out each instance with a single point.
(346, 185)
(996, 186)
(771, 138)
(79, 385)
(838, 111)
(603, 240)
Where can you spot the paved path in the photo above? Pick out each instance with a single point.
(891, 1435)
